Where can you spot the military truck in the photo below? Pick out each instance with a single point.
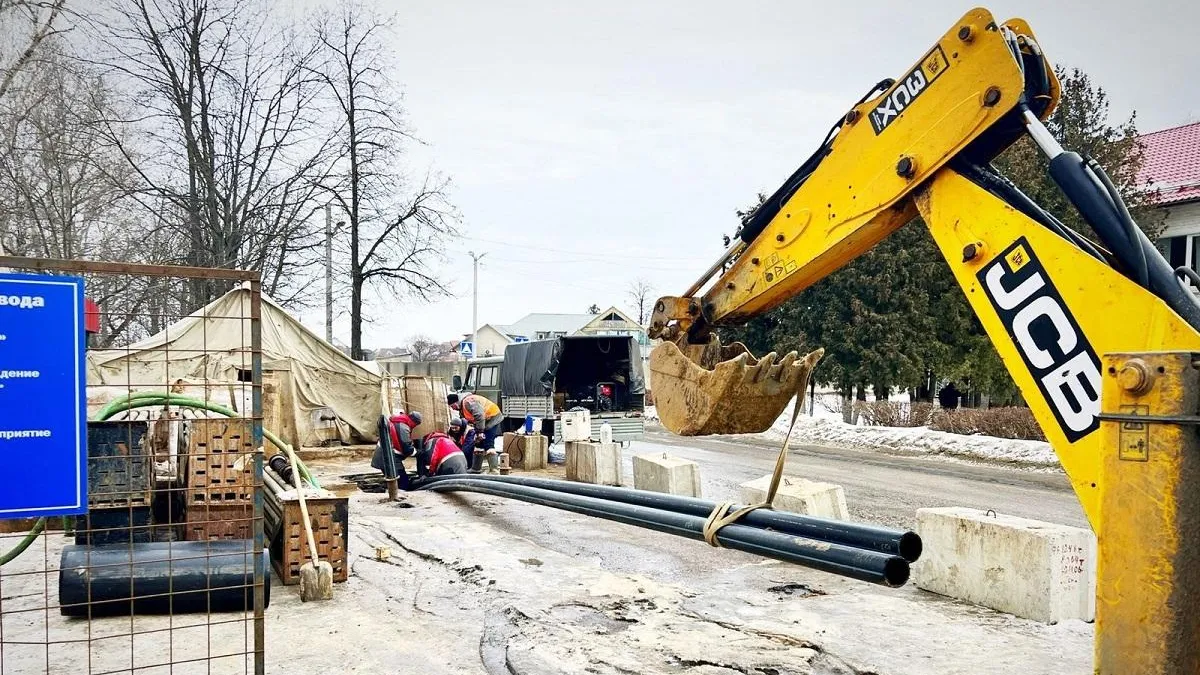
(599, 373)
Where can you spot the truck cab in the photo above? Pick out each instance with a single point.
(483, 378)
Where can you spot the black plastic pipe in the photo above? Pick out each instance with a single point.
(180, 577)
(856, 563)
(906, 544)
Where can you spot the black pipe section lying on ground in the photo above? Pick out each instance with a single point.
(180, 577)
(906, 544)
(857, 563)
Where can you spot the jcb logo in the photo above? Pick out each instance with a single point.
(1047, 337)
(908, 89)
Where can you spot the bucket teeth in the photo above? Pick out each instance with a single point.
(695, 396)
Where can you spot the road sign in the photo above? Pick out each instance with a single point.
(43, 403)
(467, 349)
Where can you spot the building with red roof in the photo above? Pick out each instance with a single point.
(1171, 173)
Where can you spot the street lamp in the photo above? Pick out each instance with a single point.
(475, 301)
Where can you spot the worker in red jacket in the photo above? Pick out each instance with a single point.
(440, 456)
(399, 429)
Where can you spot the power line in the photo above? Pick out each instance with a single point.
(578, 252)
(515, 262)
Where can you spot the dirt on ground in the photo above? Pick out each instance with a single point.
(463, 583)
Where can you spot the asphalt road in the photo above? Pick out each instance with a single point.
(881, 488)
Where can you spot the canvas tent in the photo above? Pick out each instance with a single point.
(310, 389)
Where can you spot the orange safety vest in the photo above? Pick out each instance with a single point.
(490, 409)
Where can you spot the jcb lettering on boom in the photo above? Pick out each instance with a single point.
(907, 89)
(1047, 337)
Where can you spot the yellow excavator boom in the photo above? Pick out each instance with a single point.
(1103, 339)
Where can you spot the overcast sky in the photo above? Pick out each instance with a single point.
(593, 144)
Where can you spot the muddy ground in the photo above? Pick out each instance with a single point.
(476, 584)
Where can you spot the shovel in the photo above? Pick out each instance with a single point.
(316, 575)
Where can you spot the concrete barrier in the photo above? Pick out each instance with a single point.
(596, 463)
(661, 472)
(1028, 568)
(526, 453)
(798, 495)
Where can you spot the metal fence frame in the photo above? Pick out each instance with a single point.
(82, 267)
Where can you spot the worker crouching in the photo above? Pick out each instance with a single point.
(440, 456)
(399, 434)
(485, 419)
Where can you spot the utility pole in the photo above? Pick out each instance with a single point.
(329, 273)
(475, 302)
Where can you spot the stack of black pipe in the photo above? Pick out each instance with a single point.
(865, 552)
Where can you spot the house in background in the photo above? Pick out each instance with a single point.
(493, 338)
(1171, 170)
(391, 358)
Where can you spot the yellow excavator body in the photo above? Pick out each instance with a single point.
(1102, 337)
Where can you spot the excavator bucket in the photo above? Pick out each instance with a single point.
(713, 389)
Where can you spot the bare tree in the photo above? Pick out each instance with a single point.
(68, 191)
(423, 348)
(234, 145)
(24, 26)
(394, 226)
(640, 294)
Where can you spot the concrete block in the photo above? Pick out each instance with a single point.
(798, 495)
(1032, 569)
(596, 463)
(526, 453)
(661, 472)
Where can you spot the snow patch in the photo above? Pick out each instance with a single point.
(826, 428)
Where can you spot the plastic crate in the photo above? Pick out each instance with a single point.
(220, 464)
(114, 526)
(120, 473)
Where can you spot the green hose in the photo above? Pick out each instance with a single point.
(154, 400)
(24, 543)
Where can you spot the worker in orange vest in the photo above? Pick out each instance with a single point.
(485, 417)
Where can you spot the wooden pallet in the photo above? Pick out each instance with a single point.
(289, 546)
(206, 522)
(220, 465)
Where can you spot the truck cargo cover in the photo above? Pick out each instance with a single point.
(531, 367)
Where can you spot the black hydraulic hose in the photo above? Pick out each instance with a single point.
(759, 218)
(906, 544)
(1086, 189)
(1132, 233)
(997, 184)
(864, 565)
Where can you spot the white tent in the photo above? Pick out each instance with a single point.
(310, 389)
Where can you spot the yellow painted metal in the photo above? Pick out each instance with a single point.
(855, 198)
(1071, 330)
(1113, 314)
(1148, 579)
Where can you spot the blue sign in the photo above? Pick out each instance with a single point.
(467, 349)
(43, 402)
(520, 338)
